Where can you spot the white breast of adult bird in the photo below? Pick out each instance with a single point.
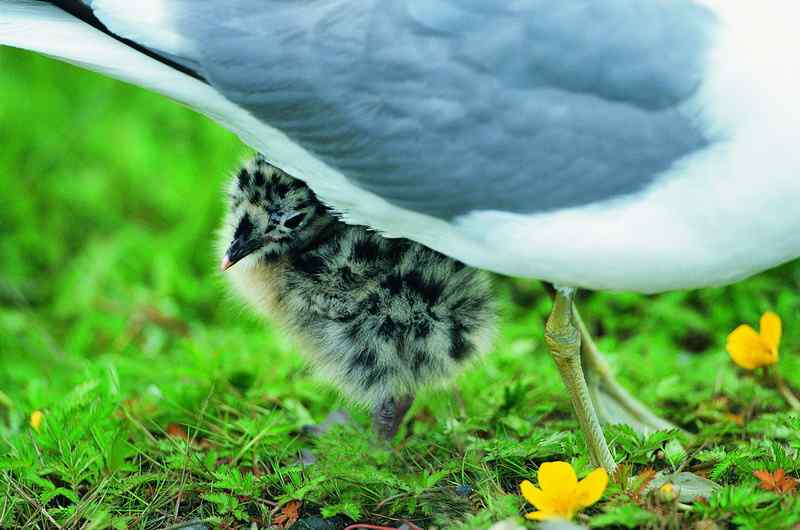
(609, 144)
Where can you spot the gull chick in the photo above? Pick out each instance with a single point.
(380, 318)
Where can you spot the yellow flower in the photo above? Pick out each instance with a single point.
(752, 350)
(668, 492)
(561, 495)
(36, 419)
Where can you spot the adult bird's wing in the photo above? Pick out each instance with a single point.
(445, 107)
(434, 107)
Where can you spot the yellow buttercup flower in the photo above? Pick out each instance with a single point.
(36, 419)
(560, 495)
(752, 350)
(668, 492)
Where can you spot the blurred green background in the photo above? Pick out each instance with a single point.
(114, 321)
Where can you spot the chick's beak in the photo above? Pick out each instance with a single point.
(238, 250)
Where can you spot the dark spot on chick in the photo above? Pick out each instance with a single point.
(459, 347)
(346, 274)
(387, 328)
(428, 291)
(244, 229)
(413, 280)
(343, 316)
(243, 178)
(422, 328)
(373, 302)
(308, 264)
(394, 283)
(366, 250)
(396, 249)
(259, 178)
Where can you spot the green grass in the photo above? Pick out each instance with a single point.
(115, 324)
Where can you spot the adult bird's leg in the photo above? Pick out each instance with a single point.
(388, 414)
(564, 341)
(613, 403)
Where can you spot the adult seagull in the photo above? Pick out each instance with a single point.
(639, 145)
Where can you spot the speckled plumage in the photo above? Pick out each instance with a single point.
(379, 317)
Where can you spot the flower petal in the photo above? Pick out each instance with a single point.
(36, 420)
(542, 515)
(591, 488)
(771, 330)
(747, 348)
(533, 494)
(558, 479)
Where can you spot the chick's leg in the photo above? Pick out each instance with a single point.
(388, 415)
(564, 341)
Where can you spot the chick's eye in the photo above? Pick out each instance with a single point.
(294, 221)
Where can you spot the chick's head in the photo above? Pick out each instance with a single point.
(270, 214)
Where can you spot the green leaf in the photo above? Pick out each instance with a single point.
(225, 503)
(351, 510)
(119, 451)
(47, 496)
(675, 453)
(627, 516)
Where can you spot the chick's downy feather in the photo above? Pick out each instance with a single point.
(378, 317)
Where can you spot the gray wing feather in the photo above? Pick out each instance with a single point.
(445, 106)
